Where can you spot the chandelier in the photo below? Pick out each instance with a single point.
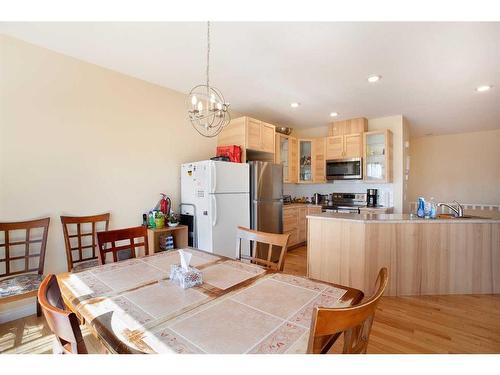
(207, 109)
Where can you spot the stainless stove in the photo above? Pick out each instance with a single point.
(345, 202)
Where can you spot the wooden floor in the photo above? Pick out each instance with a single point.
(425, 324)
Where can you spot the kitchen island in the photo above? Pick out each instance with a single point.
(423, 256)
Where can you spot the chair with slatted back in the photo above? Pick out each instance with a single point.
(85, 253)
(21, 265)
(122, 252)
(355, 323)
(63, 323)
(264, 257)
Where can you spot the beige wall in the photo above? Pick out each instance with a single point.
(463, 167)
(79, 139)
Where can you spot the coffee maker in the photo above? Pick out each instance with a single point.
(371, 197)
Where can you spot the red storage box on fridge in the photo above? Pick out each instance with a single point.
(233, 152)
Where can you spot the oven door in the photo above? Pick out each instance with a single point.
(344, 169)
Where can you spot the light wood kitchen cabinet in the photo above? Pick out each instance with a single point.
(377, 166)
(312, 160)
(267, 137)
(291, 224)
(302, 224)
(344, 146)
(305, 160)
(353, 145)
(335, 147)
(286, 154)
(319, 160)
(249, 134)
(351, 126)
(253, 134)
(295, 222)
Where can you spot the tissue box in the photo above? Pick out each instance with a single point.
(185, 278)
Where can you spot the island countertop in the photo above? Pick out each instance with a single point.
(423, 256)
(397, 218)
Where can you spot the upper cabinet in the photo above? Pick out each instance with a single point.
(345, 139)
(267, 137)
(287, 154)
(319, 160)
(305, 160)
(378, 156)
(249, 134)
(344, 127)
(312, 160)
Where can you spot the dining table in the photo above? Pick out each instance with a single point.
(132, 306)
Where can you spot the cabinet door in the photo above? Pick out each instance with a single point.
(353, 146)
(302, 224)
(293, 160)
(282, 155)
(335, 147)
(305, 160)
(254, 135)
(319, 164)
(267, 137)
(378, 156)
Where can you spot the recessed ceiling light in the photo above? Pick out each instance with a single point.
(483, 88)
(334, 114)
(374, 78)
(294, 104)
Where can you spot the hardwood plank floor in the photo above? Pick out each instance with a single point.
(423, 324)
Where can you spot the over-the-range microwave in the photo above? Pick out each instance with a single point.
(344, 169)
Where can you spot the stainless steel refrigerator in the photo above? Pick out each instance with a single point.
(266, 200)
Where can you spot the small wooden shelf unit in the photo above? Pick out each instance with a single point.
(180, 234)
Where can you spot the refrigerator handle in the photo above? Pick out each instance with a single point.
(214, 210)
(213, 176)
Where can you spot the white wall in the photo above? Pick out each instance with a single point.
(391, 193)
(79, 139)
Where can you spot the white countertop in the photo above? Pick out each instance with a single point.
(394, 218)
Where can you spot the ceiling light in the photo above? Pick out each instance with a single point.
(294, 104)
(334, 114)
(483, 88)
(374, 78)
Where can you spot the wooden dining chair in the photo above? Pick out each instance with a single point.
(22, 259)
(63, 323)
(257, 255)
(81, 244)
(125, 251)
(355, 322)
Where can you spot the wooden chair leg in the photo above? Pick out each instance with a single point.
(38, 308)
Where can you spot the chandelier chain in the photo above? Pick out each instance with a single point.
(208, 54)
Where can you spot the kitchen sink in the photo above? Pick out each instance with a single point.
(453, 217)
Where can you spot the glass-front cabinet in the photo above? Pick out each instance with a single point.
(305, 160)
(284, 152)
(286, 155)
(378, 156)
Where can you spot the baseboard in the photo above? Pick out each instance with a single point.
(17, 313)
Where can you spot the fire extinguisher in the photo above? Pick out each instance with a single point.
(165, 204)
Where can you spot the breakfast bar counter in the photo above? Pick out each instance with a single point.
(423, 256)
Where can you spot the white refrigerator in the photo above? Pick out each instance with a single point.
(217, 194)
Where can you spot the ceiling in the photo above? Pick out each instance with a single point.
(429, 70)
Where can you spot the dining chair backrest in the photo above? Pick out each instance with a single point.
(122, 251)
(63, 323)
(353, 322)
(81, 244)
(18, 240)
(262, 255)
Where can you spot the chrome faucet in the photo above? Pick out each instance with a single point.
(459, 210)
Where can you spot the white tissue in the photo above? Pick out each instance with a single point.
(185, 259)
